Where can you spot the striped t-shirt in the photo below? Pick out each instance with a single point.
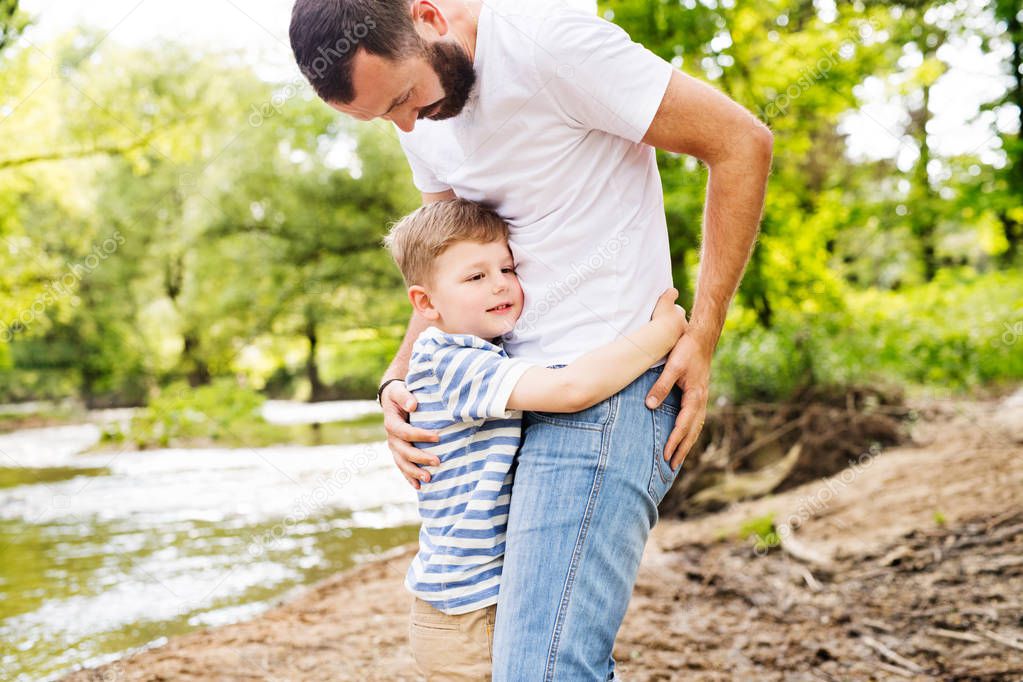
(462, 384)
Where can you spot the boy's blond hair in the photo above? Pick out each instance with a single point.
(418, 239)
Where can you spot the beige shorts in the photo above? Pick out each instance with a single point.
(456, 648)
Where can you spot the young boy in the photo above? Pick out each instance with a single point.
(460, 274)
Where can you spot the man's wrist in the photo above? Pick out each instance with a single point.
(706, 338)
(383, 387)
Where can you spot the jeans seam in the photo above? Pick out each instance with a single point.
(552, 654)
(655, 473)
(658, 479)
(660, 469)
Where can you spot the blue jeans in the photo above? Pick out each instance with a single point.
(584, 500)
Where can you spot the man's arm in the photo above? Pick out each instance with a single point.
(602, 372)
(698, 120)
(397, 401)
(399, 365)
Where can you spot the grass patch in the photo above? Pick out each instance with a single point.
(11, 477)
(226, 415)
(762, 531)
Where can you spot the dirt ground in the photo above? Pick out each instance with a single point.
(907, 566)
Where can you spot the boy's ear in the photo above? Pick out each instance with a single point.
(420, 300)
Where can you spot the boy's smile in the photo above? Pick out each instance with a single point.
(501, 309)
(474, 290)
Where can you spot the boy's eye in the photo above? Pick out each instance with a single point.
(477, 276)
(507, 269)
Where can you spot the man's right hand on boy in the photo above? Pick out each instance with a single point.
(398, 402)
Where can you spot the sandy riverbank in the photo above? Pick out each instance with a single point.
(910, 567)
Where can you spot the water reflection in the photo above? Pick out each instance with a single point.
(105, 552)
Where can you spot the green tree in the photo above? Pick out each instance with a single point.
(12, 22)
(1010, 178)
(317, 194)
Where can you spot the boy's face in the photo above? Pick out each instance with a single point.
(473, 290)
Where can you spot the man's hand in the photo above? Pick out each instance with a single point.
(688, 365)
(397, 402)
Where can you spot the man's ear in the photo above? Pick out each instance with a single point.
(428, 18)
(420, 300)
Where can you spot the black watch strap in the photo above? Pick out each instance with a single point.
(380, 391)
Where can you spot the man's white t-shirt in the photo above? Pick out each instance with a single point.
(550, 139)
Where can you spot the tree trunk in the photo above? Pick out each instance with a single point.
(1012, 227)
(922, 196)
(312, 370)
(198, 372)
(753, 290)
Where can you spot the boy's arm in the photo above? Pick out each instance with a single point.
(601, 373)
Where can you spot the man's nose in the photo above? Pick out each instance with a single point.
(406, 123)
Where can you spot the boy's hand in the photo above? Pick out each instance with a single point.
(667, 309)
(397, 402)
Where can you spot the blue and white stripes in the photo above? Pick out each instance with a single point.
(462, 384)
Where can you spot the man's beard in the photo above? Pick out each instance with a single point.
(454, 69)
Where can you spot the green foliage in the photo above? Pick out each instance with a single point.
(351, 364)
(168, 216)
(179, 413)
(230, 211)
(356, 361)
(12, 22)
(961, 330)
(20, 385)
(226, 414)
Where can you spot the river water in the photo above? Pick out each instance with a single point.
(104, 553)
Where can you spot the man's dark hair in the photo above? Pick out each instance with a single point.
(326, 34)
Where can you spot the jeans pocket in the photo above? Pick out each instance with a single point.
(593, 418)
(662, 476)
